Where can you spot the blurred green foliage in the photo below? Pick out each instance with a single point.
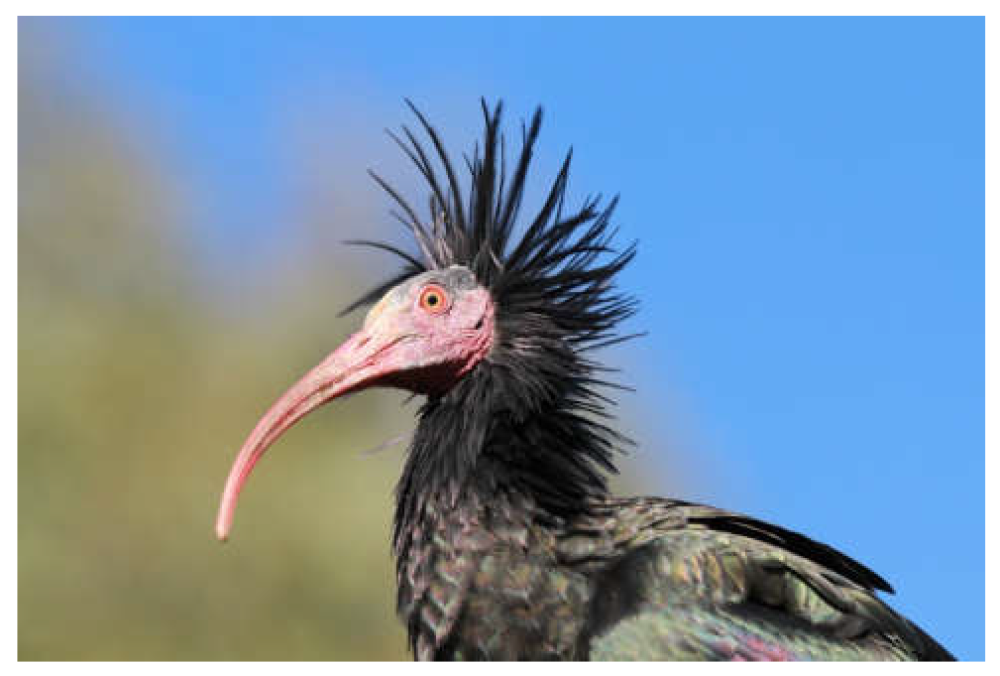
(135, 390)
(140, 374)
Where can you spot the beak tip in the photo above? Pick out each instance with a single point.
(222, 531)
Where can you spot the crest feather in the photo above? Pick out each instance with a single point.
(562, 266)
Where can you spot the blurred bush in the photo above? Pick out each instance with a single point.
(136, 387)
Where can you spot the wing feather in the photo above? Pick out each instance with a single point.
(695, 582)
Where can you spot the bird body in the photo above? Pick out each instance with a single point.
(640, 579)
(507, 541)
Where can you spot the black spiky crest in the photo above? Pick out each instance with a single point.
(529, 418)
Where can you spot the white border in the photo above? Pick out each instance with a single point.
(8, 250)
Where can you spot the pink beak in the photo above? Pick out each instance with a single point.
(362, 360)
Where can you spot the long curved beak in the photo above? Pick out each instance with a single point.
(362, 360)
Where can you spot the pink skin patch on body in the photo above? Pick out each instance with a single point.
(762, 650)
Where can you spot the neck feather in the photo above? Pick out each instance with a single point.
(488, 441)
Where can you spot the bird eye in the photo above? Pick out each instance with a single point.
(434, 299)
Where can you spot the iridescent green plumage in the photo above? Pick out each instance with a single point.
(642, 578)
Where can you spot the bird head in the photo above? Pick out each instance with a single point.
(422, 336)
(506, 319)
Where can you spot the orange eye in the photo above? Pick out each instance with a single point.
(434, 299)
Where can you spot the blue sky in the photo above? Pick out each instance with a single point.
(808, 195)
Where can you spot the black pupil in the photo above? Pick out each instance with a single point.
(432, 299)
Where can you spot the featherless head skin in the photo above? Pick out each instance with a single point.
(493, 312)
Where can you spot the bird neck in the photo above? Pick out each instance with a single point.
(458, 501)
(492, 468)
(479, 444)
(453, 470)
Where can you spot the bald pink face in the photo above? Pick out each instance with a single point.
(445, 324)
(423, 336)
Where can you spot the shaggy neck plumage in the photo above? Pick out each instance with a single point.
(499, 437)
(527, 424)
